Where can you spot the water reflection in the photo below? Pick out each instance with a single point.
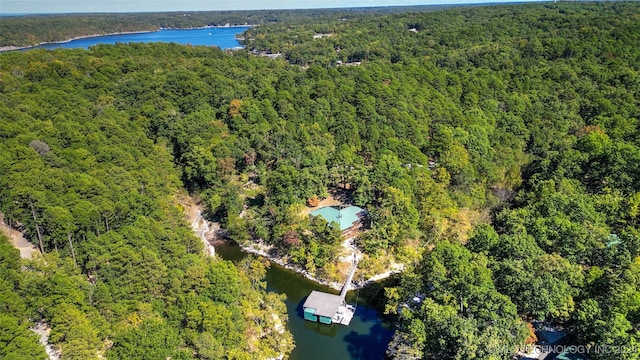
(322, 329)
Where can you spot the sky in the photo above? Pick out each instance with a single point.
(79, 6)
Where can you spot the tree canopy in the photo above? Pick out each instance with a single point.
(496, 149)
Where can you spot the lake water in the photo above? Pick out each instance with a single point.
(366, 338)
(222, 37)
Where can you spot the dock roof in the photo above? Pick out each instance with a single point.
(343, 216)
(325, 304)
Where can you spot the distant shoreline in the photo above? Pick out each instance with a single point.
(14, 48)
(11, 48)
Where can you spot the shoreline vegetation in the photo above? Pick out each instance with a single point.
(210, 234)
(14, 48)
(208, 230)
(262, 250)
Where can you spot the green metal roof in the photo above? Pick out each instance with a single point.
(344, 217)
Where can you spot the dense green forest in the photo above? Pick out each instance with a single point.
(122, 275)
(497, 150)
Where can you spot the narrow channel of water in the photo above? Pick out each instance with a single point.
(365, 338)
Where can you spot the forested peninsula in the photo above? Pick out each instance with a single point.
(496, 150)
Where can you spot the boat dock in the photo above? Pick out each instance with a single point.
(328, 308)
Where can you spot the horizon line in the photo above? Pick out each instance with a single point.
(455, 4)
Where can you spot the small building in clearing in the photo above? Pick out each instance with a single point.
(348, 217)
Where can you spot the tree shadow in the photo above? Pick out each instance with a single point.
(369, 346)
(366, 314)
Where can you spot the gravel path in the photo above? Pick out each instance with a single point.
(18, 240)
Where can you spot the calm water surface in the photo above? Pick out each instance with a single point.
(224, 38)
(365, 338)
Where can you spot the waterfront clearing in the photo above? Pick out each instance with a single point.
(367, 335)
(365, 338)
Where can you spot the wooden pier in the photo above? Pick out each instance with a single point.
(345, 287)
(328, 308)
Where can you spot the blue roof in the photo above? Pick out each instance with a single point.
(344, 217)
